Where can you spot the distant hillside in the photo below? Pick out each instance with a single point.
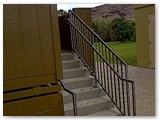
(114, 10)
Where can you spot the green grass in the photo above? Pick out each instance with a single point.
(127, 51)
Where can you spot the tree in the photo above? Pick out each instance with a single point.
(61, 12)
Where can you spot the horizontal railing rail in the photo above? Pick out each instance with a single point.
(73, 97)
(113, 80)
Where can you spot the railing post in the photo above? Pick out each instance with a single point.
(74, 105)
(73, 98)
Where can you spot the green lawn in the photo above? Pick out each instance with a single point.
(127, 51)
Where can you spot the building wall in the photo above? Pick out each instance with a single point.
(142, 33)
(32, 60)
(84, 14)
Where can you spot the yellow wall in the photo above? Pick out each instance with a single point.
(142, 33)
(31, 58)
(84, 14)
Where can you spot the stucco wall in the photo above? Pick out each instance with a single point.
(142, 33)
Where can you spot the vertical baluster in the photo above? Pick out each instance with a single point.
(119, 90)
(97, 60)
(76, 33)
(134, 99)
(104, 68)
(95, 55)
(117, 65)
(80, 37)
(101, 63)
(83, 47)
(113, 77)
(113, 65)
(85, 44)
(124, 110)
(87, 49)
(92, 54)
(121, 70)
(126, 71)
(128, 98)
(115, 85)
(72, 33)
(81, 44)
(70, 27)
(109, 56)
(77, 38)
(81, 40)
(100, 51)
(92, 59)
(111, 82)
(77, 42)
(74, 19)
(123, 89)
(107, 70)
(72, 37)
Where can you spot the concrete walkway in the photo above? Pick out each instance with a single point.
(145, 90)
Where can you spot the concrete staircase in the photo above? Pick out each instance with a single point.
(91, 101)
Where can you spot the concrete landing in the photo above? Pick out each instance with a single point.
(145, 89)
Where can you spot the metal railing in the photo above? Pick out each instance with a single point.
(110, 70)
(113, 59)
(73, 98)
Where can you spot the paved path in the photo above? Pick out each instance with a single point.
(145, 89)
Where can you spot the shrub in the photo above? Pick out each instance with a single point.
(114, 30)
(123, 30)
(102, 27)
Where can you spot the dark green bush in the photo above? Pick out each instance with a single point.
(114, 30)
(123, 30)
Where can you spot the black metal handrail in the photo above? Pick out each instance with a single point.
(123, 71)
(119, 89)
(73, 97)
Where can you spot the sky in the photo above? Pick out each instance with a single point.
(70, 6)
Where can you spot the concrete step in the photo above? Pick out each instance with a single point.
(79, 82)
(75, 72)
(89, 106)
(72, 64)
(67, 56)
(110, 112)
(83, 93)
(91, 101)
